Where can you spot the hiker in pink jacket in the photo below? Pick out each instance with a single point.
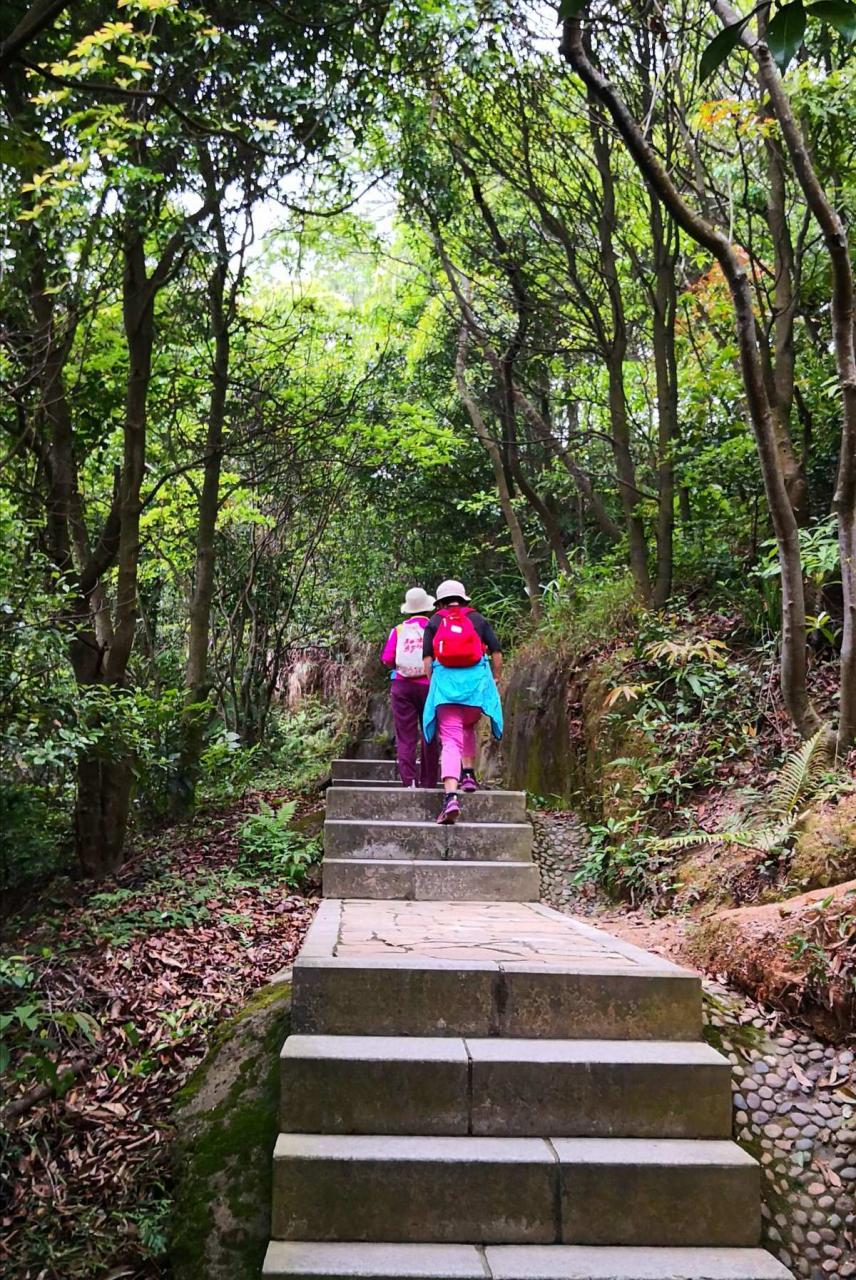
(409, 689)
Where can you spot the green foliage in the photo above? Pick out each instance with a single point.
(34, 1034)
(302, 743)
(785, 31)
(803, 780)
(269, 843)
(590, 608)
(618, 857)
(684, 694)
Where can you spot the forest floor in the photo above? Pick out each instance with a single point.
(122, 986)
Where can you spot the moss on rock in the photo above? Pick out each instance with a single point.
(825, 852)
(227, 1119)
(561, 738)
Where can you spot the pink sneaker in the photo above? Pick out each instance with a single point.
(450, 812)
(468, 782)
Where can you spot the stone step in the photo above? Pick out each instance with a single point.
(381, 802)
(504, 1088)
(351, 783)
(511, 969)
(378, 770)
(604, 1262)
(317, 1260)
(471, 841)
(430, 881)
(353, 1261)
(472, 1190)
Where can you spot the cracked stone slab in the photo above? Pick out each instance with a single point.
(483, 969)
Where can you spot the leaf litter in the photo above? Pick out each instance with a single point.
(148, 966)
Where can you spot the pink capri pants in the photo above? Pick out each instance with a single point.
(456, 726)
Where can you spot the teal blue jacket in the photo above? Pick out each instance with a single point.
(463, 687)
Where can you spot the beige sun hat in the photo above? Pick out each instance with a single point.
(416, 600)
(451, 588)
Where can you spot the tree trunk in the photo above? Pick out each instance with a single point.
(550, 524)
(793, 653)
(101, 812)
(615, 354)
(196, 714)
(583, 482)
(666, 372)
(844, 341)
(104, 784)
(527, 567)
(781, 375)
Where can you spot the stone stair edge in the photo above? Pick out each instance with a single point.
(639, 1153)
(467, 1048)
(427, 824)
(303, 1260)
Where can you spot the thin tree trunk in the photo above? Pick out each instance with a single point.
(582, 481)
(550, 524)
(196, 713)
(793, 652)
(615, 355)
(527, 567)
(666, 372)
(781, 375)
(844, 341)
(104, 782)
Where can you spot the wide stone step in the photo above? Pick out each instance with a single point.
(470, 841)
(587, 1262)
(374, 770)
(473, 1190)
(319, 1260)
(371, 783)
(512, 969)
(504, 1088)
(381, 802)
(429, 880)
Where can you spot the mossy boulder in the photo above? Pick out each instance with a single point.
(227, 1119)
(825, 851)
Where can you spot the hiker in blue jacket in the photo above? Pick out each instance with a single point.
(456, 645)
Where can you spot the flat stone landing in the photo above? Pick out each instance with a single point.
(496, 933)
(398, 967)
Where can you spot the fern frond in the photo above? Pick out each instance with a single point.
(763, 838)
(800, 775)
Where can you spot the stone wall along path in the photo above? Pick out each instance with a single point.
(478, 1086)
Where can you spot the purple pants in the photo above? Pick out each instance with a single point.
(408, 703)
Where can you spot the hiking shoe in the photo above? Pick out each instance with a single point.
(468, 782)
(451, 810)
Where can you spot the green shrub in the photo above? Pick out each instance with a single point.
(268, 842)
(590, 608)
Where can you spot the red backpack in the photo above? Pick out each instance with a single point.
(457, 643)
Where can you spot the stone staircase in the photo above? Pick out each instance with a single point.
(478, 1086)
(382, 841)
